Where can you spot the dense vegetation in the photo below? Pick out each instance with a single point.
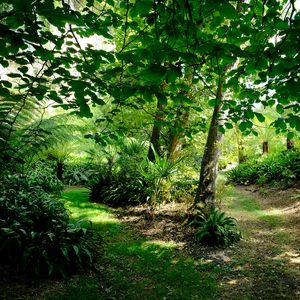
(144, 103)
(36, 234)
(276, 168)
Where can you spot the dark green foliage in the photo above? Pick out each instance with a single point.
(283, 166)
(35, 233)
(216, 228)
(123, 188)
(42, 175)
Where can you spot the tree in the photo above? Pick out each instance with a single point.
(237, 53)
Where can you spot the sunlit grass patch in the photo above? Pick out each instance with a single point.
(77, 202)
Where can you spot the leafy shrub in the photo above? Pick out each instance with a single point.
(80, 173)
(283, 166)
(119, 189)
(35, 232)
(133, 181)
(216, 228)
(43, 175)
(184, 188)
(119, 181)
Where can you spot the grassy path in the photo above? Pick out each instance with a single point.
(132, 267)
(263, 266)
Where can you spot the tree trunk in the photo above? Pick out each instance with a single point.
(156, 131)
(206, 192)
(205, 197)
(265, 147)
(59, 170)
(240, 147)
(177, 133)
(289, 144)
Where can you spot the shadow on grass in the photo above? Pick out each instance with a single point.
(132, 267)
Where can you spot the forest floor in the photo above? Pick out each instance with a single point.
(157, 258)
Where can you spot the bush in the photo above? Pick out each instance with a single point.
(278, 167)
(35, 233)
(80, 173)
(216, 228)
(134, 182)
(119, 189)
(43, 175)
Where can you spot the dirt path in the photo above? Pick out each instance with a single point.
(265, 265)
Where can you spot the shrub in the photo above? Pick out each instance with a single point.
(283, 166)
(80, 173)
(119, 189)
(120, 182)
(43, 175)
(216, 228)
(35, 233)
(134, 182)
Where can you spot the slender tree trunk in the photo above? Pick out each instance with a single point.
(240, 147)
(177, 134)
(156, 131)
(205, 197)
(206, 192)
(289, 144)
(265, 147)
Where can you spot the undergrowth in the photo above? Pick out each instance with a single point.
(283, 167)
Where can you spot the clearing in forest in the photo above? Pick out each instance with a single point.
(142, 258)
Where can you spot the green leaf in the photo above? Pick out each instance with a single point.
(245, 125)
(228, 11)
(290, 135)
(214, 102)
(228, 125)
(260, 117)
(221, 129)
(279, 109)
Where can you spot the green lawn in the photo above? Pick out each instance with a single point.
(131, 267)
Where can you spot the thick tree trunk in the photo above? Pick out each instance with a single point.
(289, 144)
(205, 197)
(265, 147)
(156, 131)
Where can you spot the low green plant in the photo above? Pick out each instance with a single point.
(42, 175)
(75, 174)
(158, 175)
(35, 232)
(216, 228)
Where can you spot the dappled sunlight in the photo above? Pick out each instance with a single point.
(163, 244)
(160, 271)
(80, 208)
(291, 256)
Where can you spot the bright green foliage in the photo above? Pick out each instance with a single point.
(216, 228)
(277, 167)
(35, 233)
(128, 177)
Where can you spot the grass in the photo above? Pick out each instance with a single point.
(132, 267)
